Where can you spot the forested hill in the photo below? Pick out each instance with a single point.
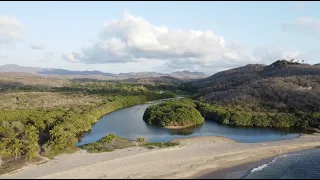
(283, 86)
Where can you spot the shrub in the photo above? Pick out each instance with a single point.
(140, 139)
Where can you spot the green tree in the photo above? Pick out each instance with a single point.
(32, 150)
(31, 133)
(17, 149)
(3, 150)
(32, 144)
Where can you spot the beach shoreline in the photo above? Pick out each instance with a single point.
(195, 157)
(233, 172)
(243, 170)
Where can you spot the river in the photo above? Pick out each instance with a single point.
(128, 123)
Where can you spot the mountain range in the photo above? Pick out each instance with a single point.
(184, 75)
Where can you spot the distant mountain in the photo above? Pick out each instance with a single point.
(68, 72)
(186, 74)
(98, 74)
(155, 80)
(317, 64)
(279, 87)
(21, 69)
(141, 74)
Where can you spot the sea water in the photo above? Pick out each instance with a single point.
(298, 165)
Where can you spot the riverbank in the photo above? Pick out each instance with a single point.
(196, 156)
(176, 127)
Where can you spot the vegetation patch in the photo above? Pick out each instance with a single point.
(234, 116)
(177, 113)
(50, 120)
(112, 142)
(140, 139)
(152, 145)
(108, 143)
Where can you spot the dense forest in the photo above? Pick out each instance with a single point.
(189, 112)
(180, 113)
(38, 120)
(239, 117)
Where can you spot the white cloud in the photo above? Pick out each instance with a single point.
(37, 47)
(267, 56)
(133, 39)
(69, 57)
(11, 29)
(307, 25)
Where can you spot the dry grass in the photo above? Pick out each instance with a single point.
(31, 79)
(35, 100)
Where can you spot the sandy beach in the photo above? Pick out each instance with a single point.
(195, 156)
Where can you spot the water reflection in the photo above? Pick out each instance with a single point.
(128, 123)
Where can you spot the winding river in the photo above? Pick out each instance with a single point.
(128, 123)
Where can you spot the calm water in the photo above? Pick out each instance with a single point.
(298, 165)
(128, 123)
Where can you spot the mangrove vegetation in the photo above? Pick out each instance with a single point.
(181, 113)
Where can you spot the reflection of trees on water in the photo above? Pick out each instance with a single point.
(184, 131)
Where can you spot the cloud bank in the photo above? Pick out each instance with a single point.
(134, 39)
(11, 30)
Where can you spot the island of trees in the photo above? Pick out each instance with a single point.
(173, 114)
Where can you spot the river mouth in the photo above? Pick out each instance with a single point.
(128, 123)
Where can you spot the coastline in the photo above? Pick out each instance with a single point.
(233, 172)
(196, 157)
(243, 170)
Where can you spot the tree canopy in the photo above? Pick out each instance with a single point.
(173, 113)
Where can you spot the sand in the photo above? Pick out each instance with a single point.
(176, 127)
(195, 156)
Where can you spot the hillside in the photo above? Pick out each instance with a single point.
(183, 75)
(18, 79)
(156, 80)
(20, 69)
(143, 80)
(280, 87)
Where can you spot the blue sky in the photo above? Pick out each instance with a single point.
(157, 36)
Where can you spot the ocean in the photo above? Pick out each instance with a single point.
(297, 165)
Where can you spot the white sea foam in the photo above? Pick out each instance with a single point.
(259, 168)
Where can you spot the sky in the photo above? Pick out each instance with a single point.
(157, 36)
